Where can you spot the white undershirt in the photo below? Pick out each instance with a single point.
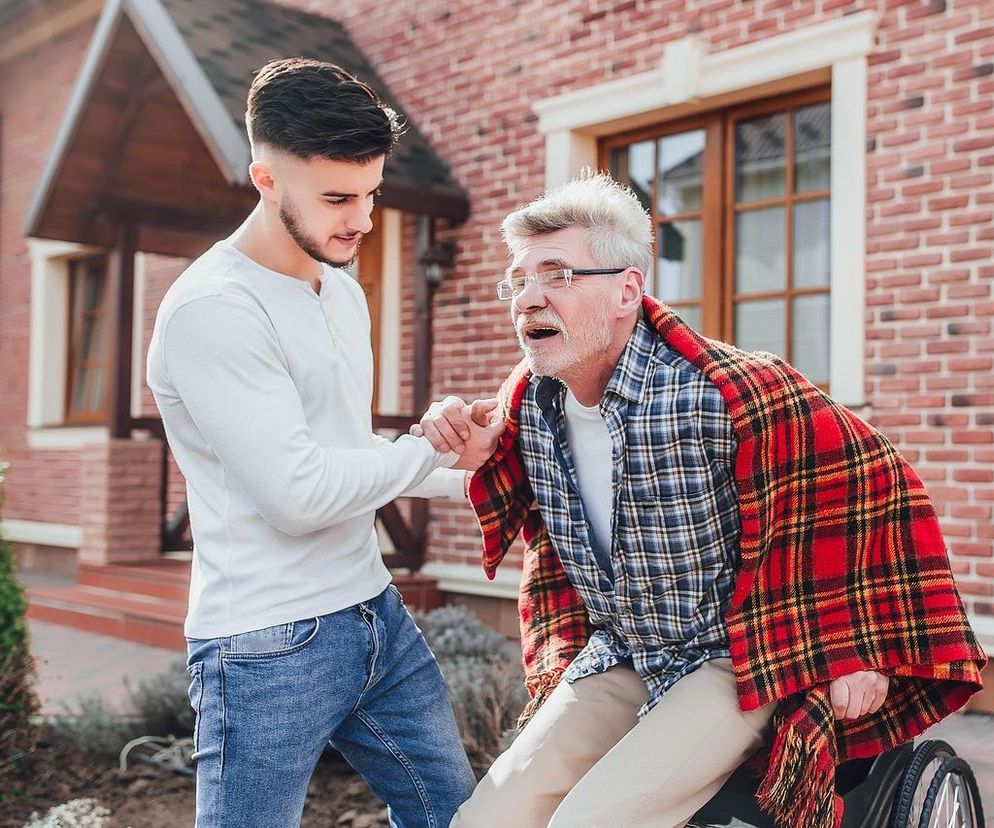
(591, 446)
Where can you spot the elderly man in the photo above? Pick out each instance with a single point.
(715, 551)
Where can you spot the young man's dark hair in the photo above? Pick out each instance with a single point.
(310, 109)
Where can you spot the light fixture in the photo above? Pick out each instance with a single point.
(437, 259)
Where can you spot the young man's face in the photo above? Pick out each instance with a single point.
(325, 205)
(563, 329)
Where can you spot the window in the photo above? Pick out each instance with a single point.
(740, 201)
(87, 364)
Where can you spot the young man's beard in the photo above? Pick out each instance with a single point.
(291, 221)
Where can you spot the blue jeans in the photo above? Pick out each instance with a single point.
(363, 680)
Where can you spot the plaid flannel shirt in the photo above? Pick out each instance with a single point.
(661, 602)
(842, 567)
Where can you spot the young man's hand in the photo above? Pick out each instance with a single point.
(858, 694)
(470, 430)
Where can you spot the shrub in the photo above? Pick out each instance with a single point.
(161, 704)
(89, 726)
(483, 674)
(18, 703)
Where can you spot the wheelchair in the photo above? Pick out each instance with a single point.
(923, 786)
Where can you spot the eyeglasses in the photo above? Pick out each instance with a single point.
(512, 286)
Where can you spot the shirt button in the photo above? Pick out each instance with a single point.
(595, 662)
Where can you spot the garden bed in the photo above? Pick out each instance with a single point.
(147, 797)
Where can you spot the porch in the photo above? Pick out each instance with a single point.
(151, 160)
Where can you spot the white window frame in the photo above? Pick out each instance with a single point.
(689, 80)
(48, 352)
(388, 381)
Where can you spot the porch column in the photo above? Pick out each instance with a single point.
(122, 285)
(119, 501)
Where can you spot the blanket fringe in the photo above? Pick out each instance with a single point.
(539, 687)
(798, 790)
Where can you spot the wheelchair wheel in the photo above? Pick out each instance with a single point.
(938, 790)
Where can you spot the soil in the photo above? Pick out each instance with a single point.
(147, 797)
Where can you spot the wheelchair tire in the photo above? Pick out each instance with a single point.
(952, 799)
(917, 777)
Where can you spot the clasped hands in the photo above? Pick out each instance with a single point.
(471, 430)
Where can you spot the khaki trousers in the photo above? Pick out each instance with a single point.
(584, 761)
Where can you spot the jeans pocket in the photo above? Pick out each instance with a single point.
(196, 695)
(270, 642)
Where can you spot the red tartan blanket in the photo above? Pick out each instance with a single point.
(842, 568)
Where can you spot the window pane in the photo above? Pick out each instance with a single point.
(691, 315)
(94, 389)
(678, 271)
(811, 243)
(79, 390)
(633, 165)
(812, 143)
(759, 251)
(759, 326)
(681, 159)
(809, 350)
(94, 285)
(759, 157)
(92, 345)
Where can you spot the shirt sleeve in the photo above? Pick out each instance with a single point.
(224, 361)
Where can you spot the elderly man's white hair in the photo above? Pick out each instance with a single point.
(619, 228)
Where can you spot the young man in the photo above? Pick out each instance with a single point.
(261, 365)
(711, 543)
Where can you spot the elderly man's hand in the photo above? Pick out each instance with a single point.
(472, 431)
(858, 694)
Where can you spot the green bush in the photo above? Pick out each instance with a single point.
(18, 704)
(482, 671)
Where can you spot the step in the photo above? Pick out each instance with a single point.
(166, 580)
(143, 619)
(147, 603)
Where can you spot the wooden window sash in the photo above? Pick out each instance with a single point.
(719, 208)
(78, 317)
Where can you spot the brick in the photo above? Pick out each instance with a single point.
(973, 550)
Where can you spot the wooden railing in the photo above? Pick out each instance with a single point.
(407, 535)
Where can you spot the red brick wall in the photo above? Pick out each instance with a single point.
(467, 74)
(41, 485)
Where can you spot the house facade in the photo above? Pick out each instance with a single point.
(819, 173)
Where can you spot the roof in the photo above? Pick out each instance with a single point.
(168, 61)
(232, 39)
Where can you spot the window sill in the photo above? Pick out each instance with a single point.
(66, 437)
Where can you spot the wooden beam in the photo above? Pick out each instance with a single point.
(409, 199)
(130, 112)
(122, 316)
(155, 215)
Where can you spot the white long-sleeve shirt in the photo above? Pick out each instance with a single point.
(265, 389)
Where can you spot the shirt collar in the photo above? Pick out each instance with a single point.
(631, 374)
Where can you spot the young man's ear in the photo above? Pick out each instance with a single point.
(261, 173)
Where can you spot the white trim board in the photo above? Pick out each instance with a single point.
(45, 534)
(688, 80)
(390, 300)
(469, 579)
